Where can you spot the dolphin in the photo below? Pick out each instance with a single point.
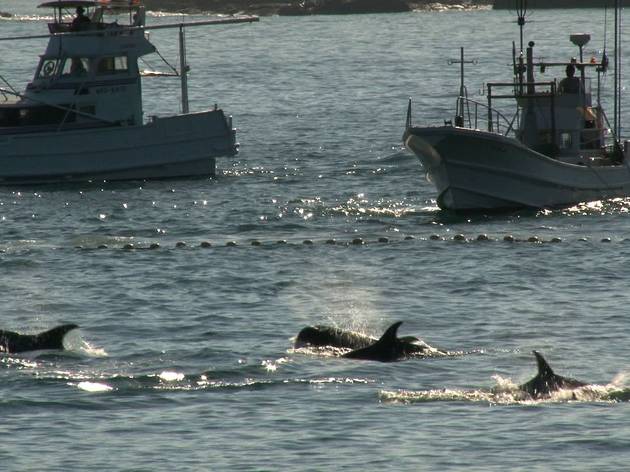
(392, 348)
(386, 349)
(334, 337)
(546, 381)
(11, 342)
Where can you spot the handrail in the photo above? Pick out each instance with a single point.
(497, 113)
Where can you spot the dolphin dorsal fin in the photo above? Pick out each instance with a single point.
(60, 330)
(391, 334)
(543, 366)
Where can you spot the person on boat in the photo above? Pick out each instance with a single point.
(570, 84)
(77, 68)
(81, 21)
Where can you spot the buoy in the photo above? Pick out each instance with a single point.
(357, 242)
(128, 246)
(308, 242)
(255, 242)
(154, 246)
(435, 237)
(231, 244)
(409, 238)
(180, 244)
(509, 238)
(282, 241)
(331, 241)
(483, 237)
(606, 240)
(556, 240)
(205, 244)
(533, 239)
(383, 239)
(459, 237)
(102, 246)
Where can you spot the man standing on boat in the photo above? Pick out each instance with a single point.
(80, 21)
(570, 84)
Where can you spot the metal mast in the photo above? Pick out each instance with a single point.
(521, 12)
(617, 74)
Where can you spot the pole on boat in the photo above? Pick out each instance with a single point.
(459, 112)
(616, 75)
(521, 12)
(183, 69)
(617, 121)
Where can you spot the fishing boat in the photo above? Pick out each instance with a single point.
(81, 117)
(558, 149)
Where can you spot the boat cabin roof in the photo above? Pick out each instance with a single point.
(108, 5)
(104, 6)
(65, 20)
(70, 4)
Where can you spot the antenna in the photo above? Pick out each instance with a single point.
(617, 74)
(521, 12)
(459, 118)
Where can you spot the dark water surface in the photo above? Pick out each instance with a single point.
(184, 359)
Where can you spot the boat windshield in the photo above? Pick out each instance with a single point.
(112, 65)
(75, 67)
(81, 66)
(48, 68)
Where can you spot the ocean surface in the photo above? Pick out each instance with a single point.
(184, 359)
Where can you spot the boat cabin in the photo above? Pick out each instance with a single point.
(557, 118)
(88, 75)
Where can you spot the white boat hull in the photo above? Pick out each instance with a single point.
(176, 146)
(479, 170)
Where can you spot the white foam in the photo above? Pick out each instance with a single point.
(73, 341)
(170, 376)
(94, 387)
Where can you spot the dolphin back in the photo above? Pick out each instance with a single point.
(330, 336)
(11, 342)
(546, 381)
(387, 349)
(53, 338)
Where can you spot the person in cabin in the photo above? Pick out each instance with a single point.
(77, 69)
(81, 21)
(570, 84)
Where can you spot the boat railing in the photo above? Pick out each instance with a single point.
(6, 94)
(519, 92)
(474, 111)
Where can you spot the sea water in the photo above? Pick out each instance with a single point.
(184, 360)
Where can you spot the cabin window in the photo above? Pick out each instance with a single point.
(112, 65)
(75, 67)
(46, 115)
(48, 68)
(37, 116)
(565, 140)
